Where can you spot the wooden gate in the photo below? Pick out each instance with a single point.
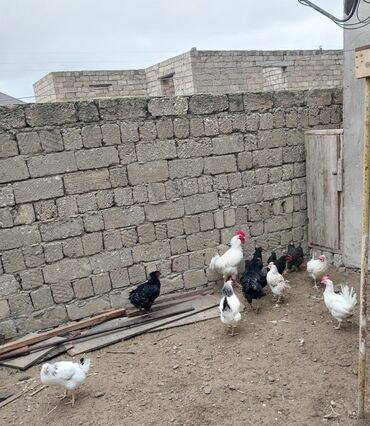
(324, 185)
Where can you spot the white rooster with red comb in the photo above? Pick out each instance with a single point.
(340, 305)
(228, 263)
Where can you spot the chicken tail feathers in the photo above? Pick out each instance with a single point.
(213, 262)
(349, 295)
(84, 364)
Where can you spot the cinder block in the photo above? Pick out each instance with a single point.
(119, 278)
(137, 274)
(8, 285)
(87, 111)
(72, 247)
(201, 203)
(92, 243)
(6, 196)
(178, 245)
(45, 210)
(93, 222)
(67, 270)
(85, 308)
(112, 240)
(120, 218)
(23, 214)
(97, 158)
(129, 131)
(53, 252)
(86, 202)
(220, 164)
(67, 206)
(4, 311)
(61, 229)
(41, 298)
(277, 190)
(225, 124)
(8, 146)
(83, 288)
(180, 263)
(194, 148)
(156, 150)
(258, 101)
(203, 240)
(33, 256)
(101, 283)
(196, 127)
(211, 126)
(108, 261)
(19, 236)
(20, 304)
(92, 180)
(153, 171)
(13, 169)
(187, 167)
(129, 237)
(62, 292)
(50, 114)
(152, 251)
(165, 128)
(72, 139)
(245, 196)
(118, 176)
(12, 117)
(127, 153)
(52, 164)
(164, 210)
(244, 161)
(111, 134)
(163, 106)
(194, 279)
(51, 140)
(208, 104)
(156, 192)
(13, 261)
(38, 189)
(6, 219)
(181, 128)
(122, 108)
(91, 136)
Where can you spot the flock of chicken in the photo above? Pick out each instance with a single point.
(254, 279)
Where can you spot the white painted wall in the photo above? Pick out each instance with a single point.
(353, 123)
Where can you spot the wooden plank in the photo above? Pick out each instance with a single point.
(11, 398)
(199, 317)
(362, 62)
(324, 132)
(26, 361)
(198, 305)
(322, 189)
(63, 329)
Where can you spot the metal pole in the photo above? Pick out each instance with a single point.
(364, 257)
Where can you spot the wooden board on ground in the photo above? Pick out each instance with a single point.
(195, 306)
(199, 317)
(63, 329)
(26, 361)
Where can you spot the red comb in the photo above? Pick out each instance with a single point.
(240, 232)
(324, 278)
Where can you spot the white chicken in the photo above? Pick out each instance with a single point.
(230, 307)
(276, 281)
(316, 268)
(227, 264)
(66, 374)
(339, 305)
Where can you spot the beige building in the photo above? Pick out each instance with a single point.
(201, 71)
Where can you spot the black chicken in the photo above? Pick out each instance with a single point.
(253, 281)
(295, 256)
(144, 295)
(281, 263)
(257, 258)
(272, 258)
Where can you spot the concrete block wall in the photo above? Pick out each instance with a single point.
(95, 195)
(242, 70)
(80, 85)
(202, 71)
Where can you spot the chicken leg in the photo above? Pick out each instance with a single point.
(338, 326)
(73, 398)
(232, 334)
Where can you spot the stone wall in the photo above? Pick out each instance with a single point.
(95, 195)
(215, 71)
(202, 71)
(75, 85)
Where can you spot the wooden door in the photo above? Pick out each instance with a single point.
(324, 186)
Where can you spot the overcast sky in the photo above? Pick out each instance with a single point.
(41, 36)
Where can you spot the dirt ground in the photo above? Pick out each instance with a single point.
(198, 375)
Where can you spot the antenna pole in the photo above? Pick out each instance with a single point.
(362, 70)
